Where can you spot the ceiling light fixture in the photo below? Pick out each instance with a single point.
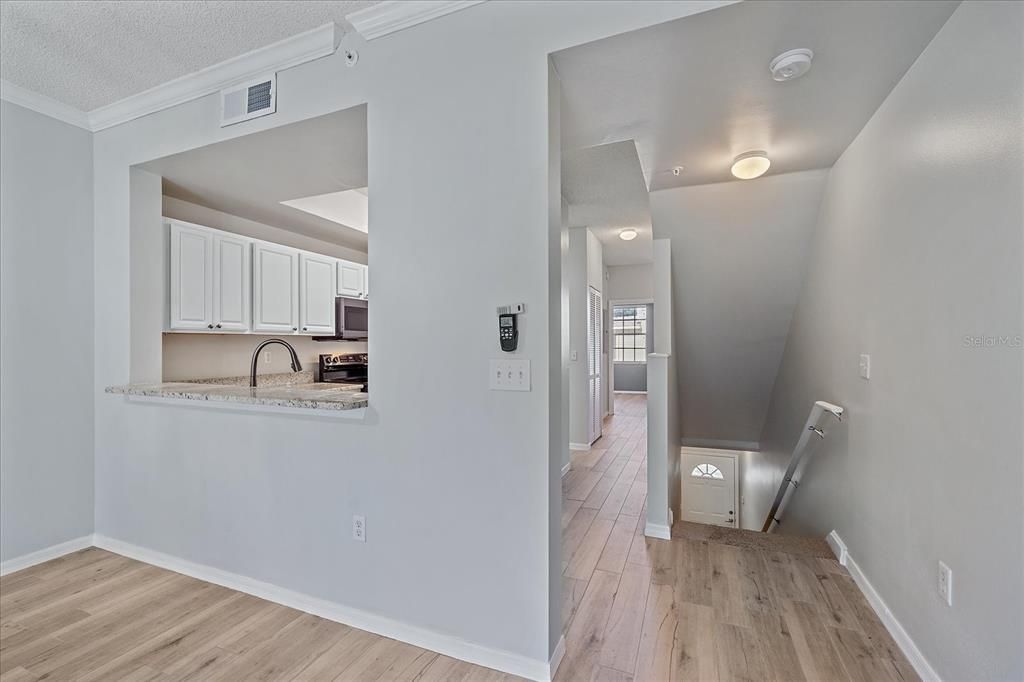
(628, 234)
(791, 64)
(750, 165)
(677, 170)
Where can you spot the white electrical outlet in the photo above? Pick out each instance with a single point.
(510, 375)
(359, 528)
(865, 366)
(946, 583)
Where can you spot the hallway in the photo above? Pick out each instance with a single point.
(711, 604)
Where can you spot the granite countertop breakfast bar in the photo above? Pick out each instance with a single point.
(296, 391)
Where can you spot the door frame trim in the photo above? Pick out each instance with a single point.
(715, 452)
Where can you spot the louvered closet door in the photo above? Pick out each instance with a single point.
(594, 340)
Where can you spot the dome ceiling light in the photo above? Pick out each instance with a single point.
(791, 64)
(750, 165)
(627, 235)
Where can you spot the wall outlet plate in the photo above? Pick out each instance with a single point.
(946, 583)
(359, 528)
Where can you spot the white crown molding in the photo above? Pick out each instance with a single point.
(394, 15)
(15, 94)
(284, 54)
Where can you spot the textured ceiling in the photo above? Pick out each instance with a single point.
(249, 176)
(696, 92)
(90, 54)
(605, 191)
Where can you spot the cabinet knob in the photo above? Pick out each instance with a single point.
(295, 329)
(305, 329)
(209, 326)
(218, 326)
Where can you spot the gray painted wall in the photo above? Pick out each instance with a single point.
(919, 246)
(739, 250)
(46, 302)
(457, 509)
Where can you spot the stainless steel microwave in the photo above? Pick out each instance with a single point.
(351, 318)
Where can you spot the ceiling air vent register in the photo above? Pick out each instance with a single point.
(248, 100)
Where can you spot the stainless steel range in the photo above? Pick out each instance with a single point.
(343, 368)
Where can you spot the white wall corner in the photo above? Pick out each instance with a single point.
(45, 554)
(391, 16)
(284, 54)
(41, 104)
(921, 665)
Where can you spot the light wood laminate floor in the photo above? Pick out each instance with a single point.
(710, 604)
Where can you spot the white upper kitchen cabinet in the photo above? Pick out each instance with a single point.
(352, 279)
(316, 294)
(275, 285)
(191, 278)
(232, 282)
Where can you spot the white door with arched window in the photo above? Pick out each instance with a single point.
(710, 490)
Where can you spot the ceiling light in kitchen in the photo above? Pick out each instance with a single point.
(348, 207)
(750, 165)
(628, 235)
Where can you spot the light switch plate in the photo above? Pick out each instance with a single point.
(510, 375)
(865, 366)
(574, 355)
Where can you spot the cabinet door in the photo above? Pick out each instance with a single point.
(191, 278)
(275, 289)
(316, 294)
(351, 279)
(232, 283)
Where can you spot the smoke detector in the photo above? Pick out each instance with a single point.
(791, 64)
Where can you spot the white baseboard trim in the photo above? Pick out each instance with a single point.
(903, 641)
(448, 645)
(556, 657)
(565, 468)
(45, 554)
(579, 446)
(720, 444)
(656, 530)
(838, 547)
(632, 392)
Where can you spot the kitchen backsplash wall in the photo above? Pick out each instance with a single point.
(207, 356)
